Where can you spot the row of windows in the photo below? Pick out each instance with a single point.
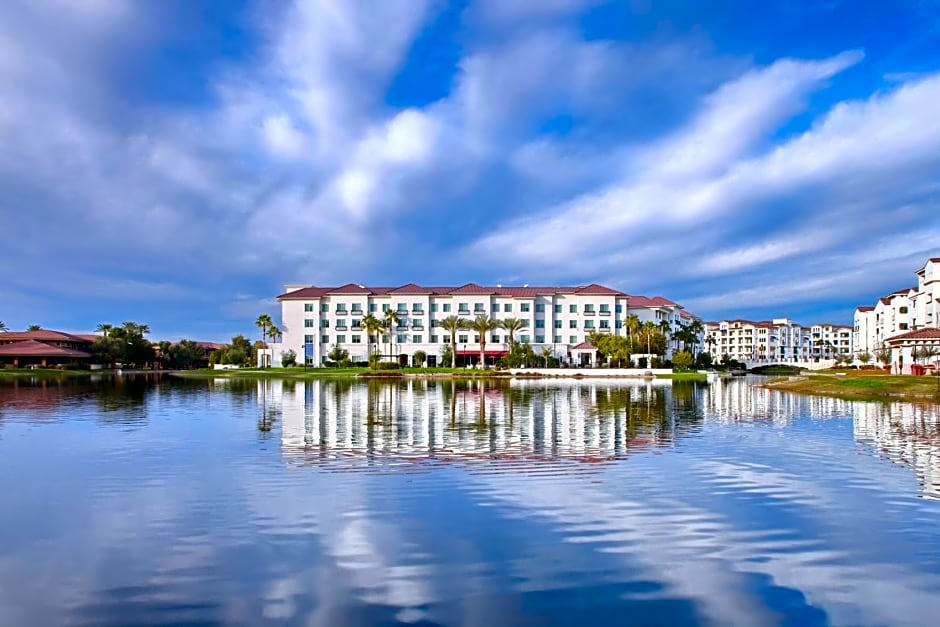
(419, 324)
(402, 308)
(403, 338)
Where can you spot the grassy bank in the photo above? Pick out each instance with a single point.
(49, 373)
(863, 386)
(684, 376)
(333, 373)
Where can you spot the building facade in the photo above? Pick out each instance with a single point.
(901, 312)
(777, 340)
(315, 319)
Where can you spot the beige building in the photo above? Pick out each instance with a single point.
(777, 340)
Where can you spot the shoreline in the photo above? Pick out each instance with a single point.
(862, 387)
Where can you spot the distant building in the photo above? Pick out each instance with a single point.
(892, 322)
(314, 319)
(776, 340)
(20, 349)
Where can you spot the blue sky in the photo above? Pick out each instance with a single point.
(178, 162)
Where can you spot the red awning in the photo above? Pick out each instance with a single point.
(488, 353)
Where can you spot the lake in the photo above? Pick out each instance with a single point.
(155, 501)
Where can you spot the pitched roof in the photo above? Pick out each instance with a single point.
(864, 309)
(584, 346)
(351, 288)
(44, 335)
(595, 288)
(524, 291)
(411, 288)
(473, 288)
(34, 348)
(919, 334)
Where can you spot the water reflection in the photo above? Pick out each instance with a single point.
(463, 420)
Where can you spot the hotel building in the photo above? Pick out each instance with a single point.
(777, 340)
(314, 319)
(902, 321)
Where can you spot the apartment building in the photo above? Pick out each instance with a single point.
(903, 311)
(776, 340)
(314, 319)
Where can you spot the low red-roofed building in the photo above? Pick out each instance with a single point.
(42, 348)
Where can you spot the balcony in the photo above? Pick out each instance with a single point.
(604, 313)
(417, 312)
(588, 313)
(340, 312)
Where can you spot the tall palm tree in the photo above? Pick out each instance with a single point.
(391, 317)
(263, 322)
(33, 327)
(373, 326)
(482, 325)
(103, 328)
(647, 329)
(3, 327)
(274, 333)
(453, 324)
(633, 325)
(511, 325)
(666, 329)
(695, 328)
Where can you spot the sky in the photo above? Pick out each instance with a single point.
(176, 163)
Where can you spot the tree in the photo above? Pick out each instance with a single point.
(511, 325)
(3, 327)
(545, 354)
(274, 333)
(453, 324)
(418, 359)
(391, 319)
(614, 348)
(372, 326)
(263, 322)
(633, 325)
(883, 355)
(482, 325)
(288, 358)
(682, 360)
(447, 356)
(864, 358)
(103, 328)
(33, 327)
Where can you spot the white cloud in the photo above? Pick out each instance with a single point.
(282, 136)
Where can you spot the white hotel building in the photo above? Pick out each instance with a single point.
(902, 321)
(776, 341)
(314, 319)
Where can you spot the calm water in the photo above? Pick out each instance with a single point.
(433, 503)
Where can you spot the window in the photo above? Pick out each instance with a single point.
(557, 308)
(605, 324)
(494, 339)
(539, 324)
(324, 308)
(417, 307)
(572, 324)
(416, 339)
(539, 339)
(619, 308)
(572, 339)
(308, 323)
(446, 307)
(524, 339)
(462, 339)
(324, 324)
(540, 308)
(524, 307)
(325, 339)
(417, 324)
(902, 310)
(372, 307)
(434, 339)
(357, 323)
(385, 307)
(478, 308)
(588, 324)
(463, 308)
(340, 307)
(589, 309)
(476, 339)
(340, 324)
(357, 308)
(495, 308)
(557, 339)
(557, 324)
(308, 307)
(903, 326)
(357, 339)
(572, 309)
(507, 308)
(340, 339)
(308, 339)
(401, 308)
(605, 308)
(401, 338)
(433, 307)
(435, 323)
(620, 324)
(385, 338)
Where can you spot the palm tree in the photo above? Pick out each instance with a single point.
(482, 325)
(633, 325)
(695, 328)
(453, 324)
(103, 328)
(711, 341)
(274, 333)
(33, 327)
(263, 322)
(648, 328)
(511, 325)
(391, 316)
(372, 325)
(3, 327)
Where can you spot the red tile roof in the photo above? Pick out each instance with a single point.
(42, 335)
(864, 309)
(919, 334)
(33, 348)
(584, 346)
(411, 288)
(595, 288)
(467, 289)
(351, 288)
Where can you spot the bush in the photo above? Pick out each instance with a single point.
(387, 365)
(288, 358)
(682, 360)
(418, 359)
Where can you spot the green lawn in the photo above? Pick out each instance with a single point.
(863, 386)
(48, 373)
(684, 376)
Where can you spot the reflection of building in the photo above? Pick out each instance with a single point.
(451, 420)
(737, 400)
(314, 319)
(905, 433)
